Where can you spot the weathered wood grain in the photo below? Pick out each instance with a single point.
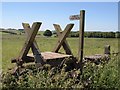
(29, 40)
(81, 38)
(107, 49)
(65, 43)
(51, 55)
(63, 37)
(34, 46)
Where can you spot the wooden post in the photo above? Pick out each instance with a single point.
(65, 43)
(81, 38)
(63, 37)
(28, 43)
(107, 49)
(30, 39)
(36, 52)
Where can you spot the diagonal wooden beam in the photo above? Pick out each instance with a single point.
(29, 40)
(65, 43)
(36, 52)
(63, 37)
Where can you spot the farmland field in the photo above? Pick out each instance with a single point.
(12, 44)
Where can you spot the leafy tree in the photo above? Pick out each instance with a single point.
(47, 33)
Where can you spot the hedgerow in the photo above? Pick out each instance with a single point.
(104, 75)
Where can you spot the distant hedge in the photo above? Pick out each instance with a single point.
(10, 32)
(100, 34)
(97, 34)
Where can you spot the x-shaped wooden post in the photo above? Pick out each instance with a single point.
(36, 52)
(62, 38)
(30, 42)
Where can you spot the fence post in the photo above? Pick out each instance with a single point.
(81, 38)
(107, 49)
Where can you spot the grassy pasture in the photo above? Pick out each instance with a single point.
(12, 44)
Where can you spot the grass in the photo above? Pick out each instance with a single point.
(2, 33)
(12, 44)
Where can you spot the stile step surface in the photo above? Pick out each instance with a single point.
(51, 55)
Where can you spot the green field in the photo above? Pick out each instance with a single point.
(12, 44)
(103, 76)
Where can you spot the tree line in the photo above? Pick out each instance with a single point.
(73, 33)
(10, 32)
(97, 34)
(87, 34)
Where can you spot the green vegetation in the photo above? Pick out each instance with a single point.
(100, 34)
(12, 44)
(72, 33)
(47, 33)
(17, 32)
(104, 75)
(8, 32)
(97, 34)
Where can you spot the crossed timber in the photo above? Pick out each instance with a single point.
(30, 42)
(38, 57)
(62, 38)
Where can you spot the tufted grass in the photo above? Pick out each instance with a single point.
(12, 44)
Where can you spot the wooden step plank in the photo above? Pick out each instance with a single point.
(51, 55)
(96, 57)
(46, 56)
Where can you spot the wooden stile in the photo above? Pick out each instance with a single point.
(65, 43)
(36, 52)
(62, 37)
(30, 42)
